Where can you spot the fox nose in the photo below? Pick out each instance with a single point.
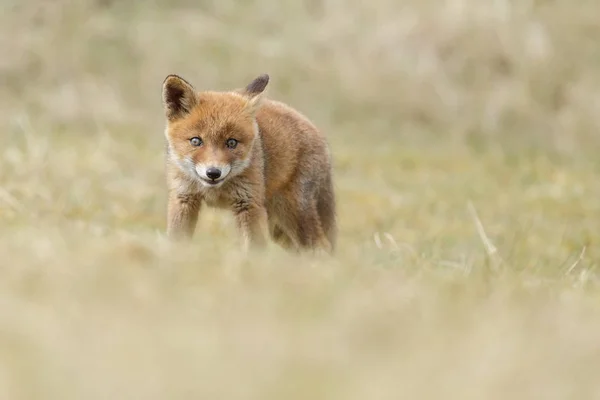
(213, 173)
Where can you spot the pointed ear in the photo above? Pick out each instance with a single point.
(254, 91)
(179, 97)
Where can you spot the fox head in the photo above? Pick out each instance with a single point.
(210, 135)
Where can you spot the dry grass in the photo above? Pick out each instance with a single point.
(465, 136)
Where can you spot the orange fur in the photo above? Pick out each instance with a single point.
(259, 158)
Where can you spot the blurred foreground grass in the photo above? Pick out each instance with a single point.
(465, 137)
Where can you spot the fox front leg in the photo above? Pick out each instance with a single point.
(252, 223)
(182, 215)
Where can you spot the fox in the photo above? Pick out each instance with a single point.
(257, 157)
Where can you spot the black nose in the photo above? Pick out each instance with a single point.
(213, 173)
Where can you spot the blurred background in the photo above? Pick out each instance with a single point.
(465, 137)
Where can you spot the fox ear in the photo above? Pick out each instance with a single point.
(179, 97)
(254, 90)
(257, 86)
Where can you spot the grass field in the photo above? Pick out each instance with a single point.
(465, 135)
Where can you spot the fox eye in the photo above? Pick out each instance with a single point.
(196, 141)
(232, 143)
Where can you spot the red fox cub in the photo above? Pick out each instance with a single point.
(257, 157)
